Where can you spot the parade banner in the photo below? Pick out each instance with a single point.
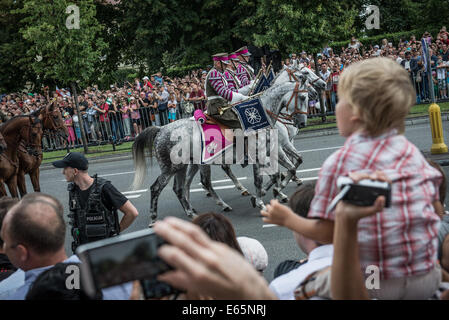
(262, 85)
(252, 115)
(270, 77)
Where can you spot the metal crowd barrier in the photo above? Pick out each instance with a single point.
(115, 131)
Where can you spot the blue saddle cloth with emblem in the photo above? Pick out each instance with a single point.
(252, 115)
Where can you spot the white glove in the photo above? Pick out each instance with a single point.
(236, 97)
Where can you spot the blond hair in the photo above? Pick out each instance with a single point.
(381, 92)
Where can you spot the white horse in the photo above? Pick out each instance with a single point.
(166, 144)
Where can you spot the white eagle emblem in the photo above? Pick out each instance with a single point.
(252, 115)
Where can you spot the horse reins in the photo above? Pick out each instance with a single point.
(286, 118)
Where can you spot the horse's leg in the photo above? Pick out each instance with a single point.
(227, 169)
(191, 172)
(180, 191)
(297, 159)
(203, 186)
(34, 176)
(156, 189)
(21, 183)
(2, 188)
(206, 181)
(277, 190)
(12, 186)
(256, 200)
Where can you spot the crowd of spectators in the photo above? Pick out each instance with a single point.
(119, 113)
(407, 52)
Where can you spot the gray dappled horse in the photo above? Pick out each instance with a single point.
(287, 130)
(161, 139)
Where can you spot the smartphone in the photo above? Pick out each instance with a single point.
(122, 259)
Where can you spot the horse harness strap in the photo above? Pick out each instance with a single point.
(286, 118)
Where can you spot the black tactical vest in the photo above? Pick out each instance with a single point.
(95, 221)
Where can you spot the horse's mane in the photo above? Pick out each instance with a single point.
(3, 126)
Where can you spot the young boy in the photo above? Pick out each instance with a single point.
(375, 96)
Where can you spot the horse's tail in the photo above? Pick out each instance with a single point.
(144, 140)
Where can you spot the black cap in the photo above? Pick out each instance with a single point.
(73, 159)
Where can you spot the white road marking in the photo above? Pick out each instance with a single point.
(226, 180)
(134, 196)
(135, 191)
(216, 188)
(269, 225)
(308, 170)
(321, 149)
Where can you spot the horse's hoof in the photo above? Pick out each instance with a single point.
(191, 215)
(299, 182)
(263, 193)
(284, 199)
(253, 201)
(208, 194)
(227, 209)
(245, 193)
(151, 225)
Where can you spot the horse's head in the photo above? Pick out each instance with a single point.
(31, 133)
(301, 112)
(313, 79)
(52, 120)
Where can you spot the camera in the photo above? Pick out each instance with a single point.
(124, 258)
(365, 192)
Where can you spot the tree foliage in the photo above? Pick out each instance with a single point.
(58, 52)
(172, 35)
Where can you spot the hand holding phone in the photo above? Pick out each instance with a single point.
(122, 259)
(359, 190)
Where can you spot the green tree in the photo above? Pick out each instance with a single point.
(61, 51)
(16, 70)
(307, 25)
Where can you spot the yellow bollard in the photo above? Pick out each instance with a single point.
(436, 125)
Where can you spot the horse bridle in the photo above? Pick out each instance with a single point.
(57, 128)
(286, 118)
(32, 148)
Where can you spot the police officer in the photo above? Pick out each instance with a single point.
(219, 95)
(94, 202)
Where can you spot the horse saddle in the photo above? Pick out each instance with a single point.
(215, 138)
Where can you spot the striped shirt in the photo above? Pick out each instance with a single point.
(242, 74)
(231, 82)
(401, 240)
(219, 84)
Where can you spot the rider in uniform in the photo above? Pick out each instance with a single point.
(93, 203)
(244, 71)
(233, 81)
(219, 95)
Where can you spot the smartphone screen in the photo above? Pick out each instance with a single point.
(134, 259)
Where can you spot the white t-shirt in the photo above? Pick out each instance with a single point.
(284, 286)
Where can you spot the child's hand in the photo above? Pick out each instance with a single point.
(276, 213)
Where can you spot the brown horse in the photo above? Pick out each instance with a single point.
(27, 128)
(30, 155)
(2, 143)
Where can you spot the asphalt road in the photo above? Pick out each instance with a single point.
(278, 241)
